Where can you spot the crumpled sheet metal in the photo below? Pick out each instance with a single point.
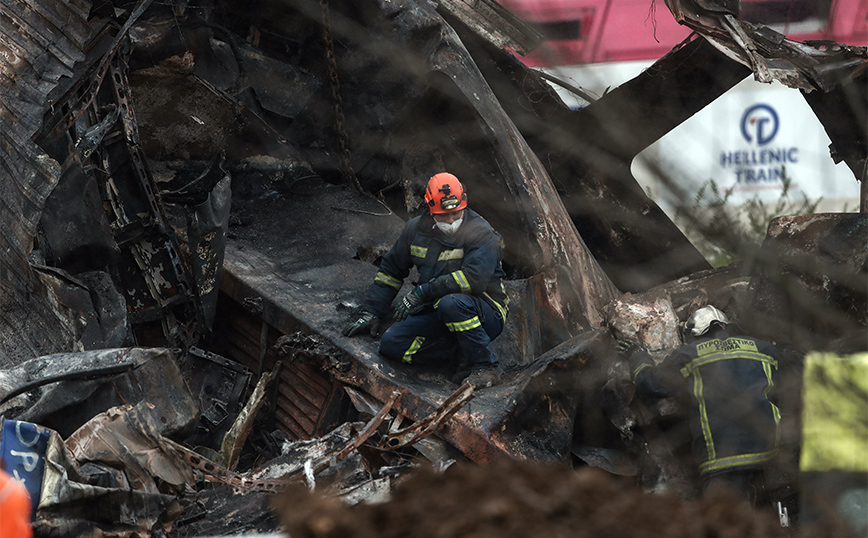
(770, 54)
(129, 438)
(152, 375)
(125, 442)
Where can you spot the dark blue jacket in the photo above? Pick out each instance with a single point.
(734, 424)
(467, 262)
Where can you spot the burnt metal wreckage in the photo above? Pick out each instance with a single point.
(196, 197)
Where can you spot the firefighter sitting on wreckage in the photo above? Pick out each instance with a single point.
(459, 305)
(735, 426)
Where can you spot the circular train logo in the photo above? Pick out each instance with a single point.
(759, 124)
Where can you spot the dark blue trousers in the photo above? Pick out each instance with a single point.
(433, 335)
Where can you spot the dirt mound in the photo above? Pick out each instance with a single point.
(518, 499)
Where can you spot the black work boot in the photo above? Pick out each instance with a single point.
(483, 376)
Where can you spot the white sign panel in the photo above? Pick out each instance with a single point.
(748, 141)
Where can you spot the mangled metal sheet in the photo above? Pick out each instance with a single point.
(496, 24)
(65, 108)
(769, 54)
(131, 229)
(37, 49)
(63, 391)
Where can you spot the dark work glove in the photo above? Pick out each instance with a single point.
(627, 348)
(408, 303)
(366, 322)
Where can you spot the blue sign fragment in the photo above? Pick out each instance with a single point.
(22, 451)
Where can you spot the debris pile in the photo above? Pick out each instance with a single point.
(198, 195)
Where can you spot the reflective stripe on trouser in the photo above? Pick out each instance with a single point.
(434, 335)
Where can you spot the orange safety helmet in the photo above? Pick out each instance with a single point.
(453, 197)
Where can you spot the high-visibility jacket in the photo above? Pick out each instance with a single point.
(467, 262)
(735, 426)
(14, 508)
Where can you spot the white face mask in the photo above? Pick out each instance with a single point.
(449, 229)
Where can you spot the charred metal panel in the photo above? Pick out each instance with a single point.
(497, 25)
(220, 386)
(811, 282)
(68, 389)
(843, 111)
(38, 47)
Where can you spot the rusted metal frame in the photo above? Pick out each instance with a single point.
(473, 441)
(102, 70)
(154, 244)
(366, 432)
(223, 475)
(217, 473)
(121, 88)
(432, 422)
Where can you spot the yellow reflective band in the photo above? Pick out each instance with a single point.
(462, 281)
(417, 251)
(734, 462)
(502, 309)
(643, 366)
(460, 326)
(730, 344)
(724, 356)
(414, 347)
(454, 254)
(703, 416)
(388, 280)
